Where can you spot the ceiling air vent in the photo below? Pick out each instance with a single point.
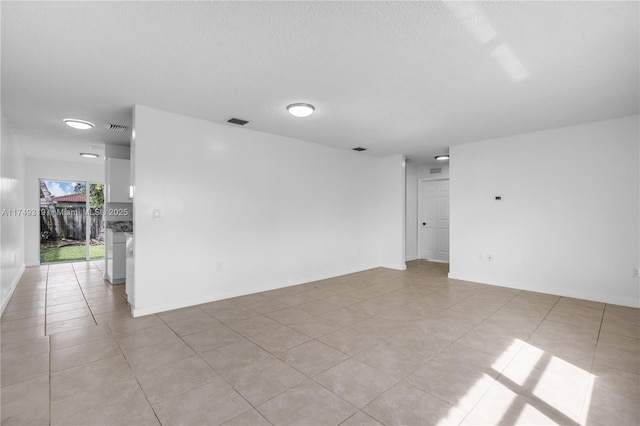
(238, 121)
(434, 171)
(359, 149)
(117, 128)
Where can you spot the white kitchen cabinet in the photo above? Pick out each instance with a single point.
(117, 180)
(115, 256)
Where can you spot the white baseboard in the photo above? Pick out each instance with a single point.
(410, 258)
(14, 284)
(163, 307)
(555, 291)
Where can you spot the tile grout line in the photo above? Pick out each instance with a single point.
(133, 373)
(83, 295)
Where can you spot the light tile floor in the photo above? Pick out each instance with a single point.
(376, 347)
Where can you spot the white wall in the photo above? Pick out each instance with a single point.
(268, 211)
(11, 223)
(569, 220)
(92, 171)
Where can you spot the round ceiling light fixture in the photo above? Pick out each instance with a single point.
(442, 157)
(300, 109)
(78, 124)
(88, 155)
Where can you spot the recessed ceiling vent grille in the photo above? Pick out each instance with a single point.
(117, 128)
(238, 121)
(359, 149)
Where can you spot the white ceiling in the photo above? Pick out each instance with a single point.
(396, 77)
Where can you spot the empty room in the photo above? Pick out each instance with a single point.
(320, 213)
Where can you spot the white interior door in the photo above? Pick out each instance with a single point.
(433, 220)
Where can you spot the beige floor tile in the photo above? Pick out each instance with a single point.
(182, 314)
(405, 405)
(16, 306)
(193, 325)
(146, 337)
(619, 324)
(254, 326)
(307, 403)
(72, 356)
(319, 307)
(289, 315)
(17, 350)
(240, 354)
(133, 324)
(100, 378)
(164, 383)
(294, 299)
(619, 352)
(17, 315)
(459, 385)
(154, 356)
(312, 358)
(613, 398)
(345, 316)
(267, 306)
(217, 306)
(113, 316)
(502, 405)
(71, 324)
(67, 315)
(66, 307)
(79, 336)
(22, 334)
(415, 341)
(561, 360)
(228, 316)
(19, 324)
(349, 341)
(355, 381)
(250, 299)
(250, 418)
(361, 419)
(377, 326)
(27, 367)
(280, 339)
(395, 363)
(593, 319)
(125, 407)
(212, 338)
(65, 300)
(259, 382)
(24, 397)
(31, 418)
(212, 403)
(316, 327)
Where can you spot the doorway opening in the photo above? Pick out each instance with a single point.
(433, 220)
(71, 221)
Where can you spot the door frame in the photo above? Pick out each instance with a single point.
(420, 182)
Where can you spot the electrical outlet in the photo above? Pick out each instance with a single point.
(219, 267)
(636, 272)
(489, 257)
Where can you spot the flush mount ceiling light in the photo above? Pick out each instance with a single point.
(442, 157)
(88, 155)
(301, 109)
(78, 124)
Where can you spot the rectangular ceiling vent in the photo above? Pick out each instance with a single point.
(359, 149)
(238, 121)
(434, 171)
(117, 128)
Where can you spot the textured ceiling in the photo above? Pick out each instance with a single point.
(396, 77)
